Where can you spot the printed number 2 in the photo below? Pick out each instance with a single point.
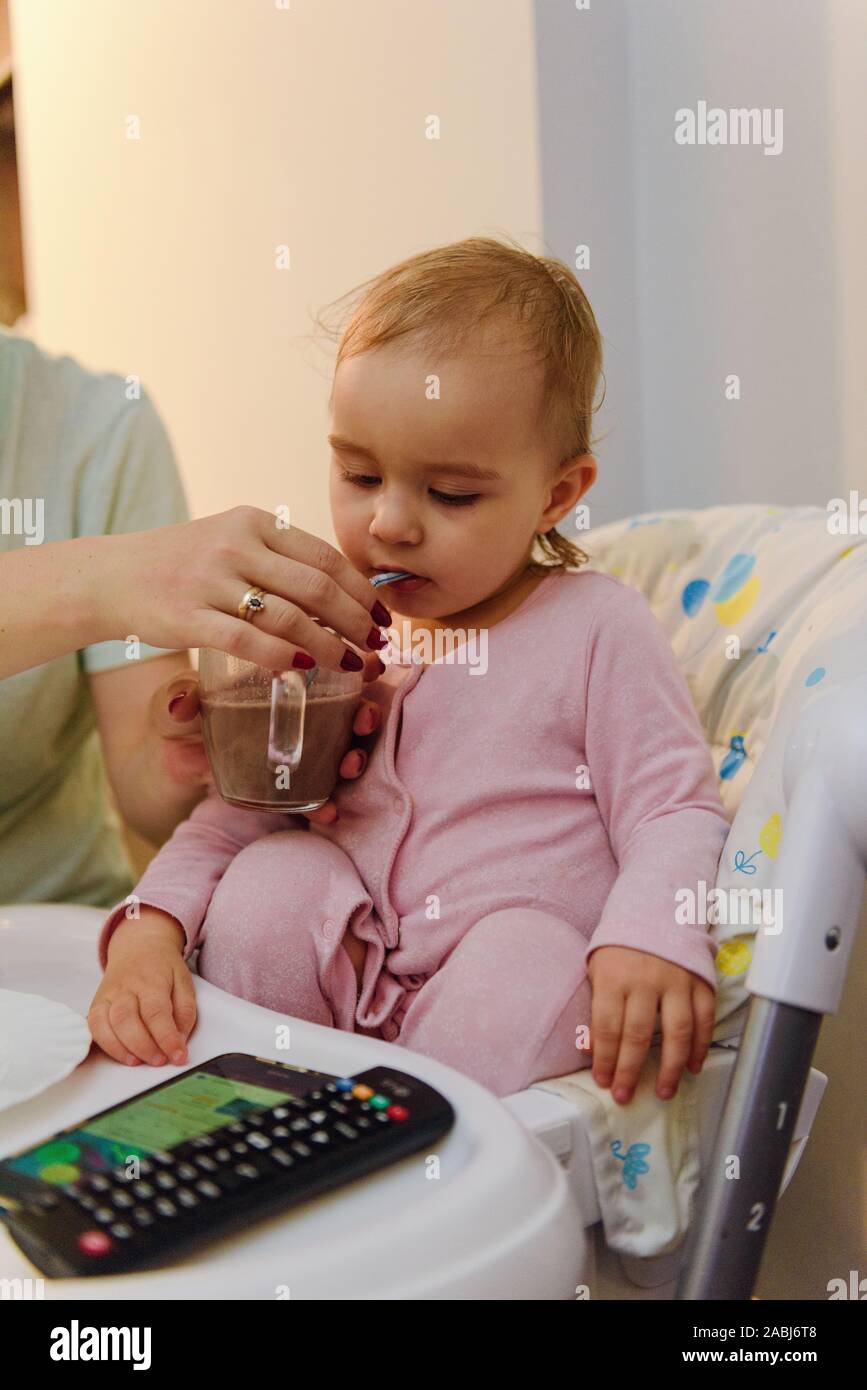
(755, 1221)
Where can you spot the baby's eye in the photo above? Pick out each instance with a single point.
(362, 479)
(451, 499)
(455, 499)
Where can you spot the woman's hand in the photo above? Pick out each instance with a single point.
(175, 718)
(629, 989)
(180, 587)
(145, 1007)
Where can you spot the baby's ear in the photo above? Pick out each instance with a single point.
(573, 478)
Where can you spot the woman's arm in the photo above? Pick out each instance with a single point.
(49, 601)
(157, 779)
(179, 586)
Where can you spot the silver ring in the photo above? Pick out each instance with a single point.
(252, 602)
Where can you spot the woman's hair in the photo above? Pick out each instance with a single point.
(445, 296)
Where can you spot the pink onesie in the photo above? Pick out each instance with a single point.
(509, 822)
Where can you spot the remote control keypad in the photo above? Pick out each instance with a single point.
(248, 1151)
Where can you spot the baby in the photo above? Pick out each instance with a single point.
(521, 831)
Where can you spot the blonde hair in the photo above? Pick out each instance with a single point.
(444, 296)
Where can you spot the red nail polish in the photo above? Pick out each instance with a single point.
(380, 614)
(351, 662)
(375, 638)
(176, 701)
(304, 660)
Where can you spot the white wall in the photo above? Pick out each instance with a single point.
(715, 260)
(259, 126)
(589, 200)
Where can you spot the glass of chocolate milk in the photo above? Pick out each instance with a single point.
(275, 741)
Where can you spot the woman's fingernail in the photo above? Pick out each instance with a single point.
(304, 660)
(357, 762)
(351, 662)
(380, 614)
(375, 638)
(666, 1092)
(158, 1061)
(176, 701)
(131, 1061)
(178, 1057)
(621, 1095)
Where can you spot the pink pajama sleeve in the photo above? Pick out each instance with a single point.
(182, 877)
(655, 787)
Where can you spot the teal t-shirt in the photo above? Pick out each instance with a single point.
(100, 464)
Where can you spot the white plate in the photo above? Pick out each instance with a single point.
(41, 1042)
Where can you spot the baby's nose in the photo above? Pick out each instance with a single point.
(396, 524)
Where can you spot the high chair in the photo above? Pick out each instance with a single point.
(727, 583)
(552, 1193)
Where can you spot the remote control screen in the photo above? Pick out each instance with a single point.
(194, 1104)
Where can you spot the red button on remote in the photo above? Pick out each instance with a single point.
(397, 1112)
(95, 1243)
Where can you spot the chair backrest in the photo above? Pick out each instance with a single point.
(765, 607)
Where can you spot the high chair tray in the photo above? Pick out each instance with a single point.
(205, 1153)
(488, 1215)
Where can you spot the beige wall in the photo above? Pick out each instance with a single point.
(259, 127)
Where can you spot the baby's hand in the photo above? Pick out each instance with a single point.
(145, 1008)
(629, 989)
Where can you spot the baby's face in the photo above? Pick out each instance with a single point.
(452, 488)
